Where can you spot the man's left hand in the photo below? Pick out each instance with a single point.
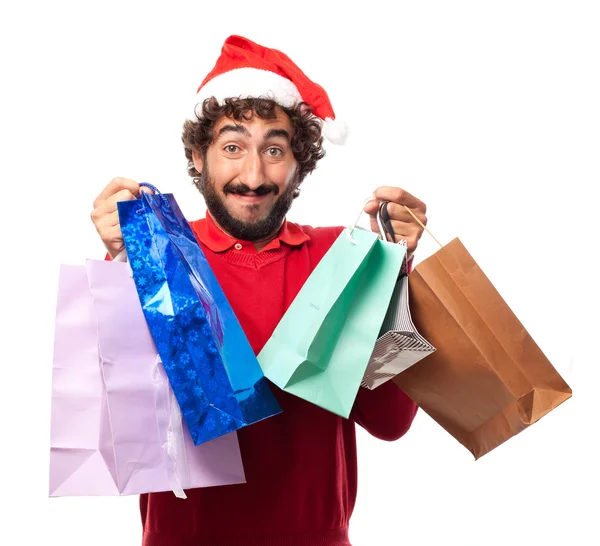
(404, 225)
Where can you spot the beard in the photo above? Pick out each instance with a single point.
(247, 230)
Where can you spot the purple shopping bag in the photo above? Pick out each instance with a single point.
(116, 428)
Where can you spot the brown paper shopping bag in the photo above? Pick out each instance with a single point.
(488, 380)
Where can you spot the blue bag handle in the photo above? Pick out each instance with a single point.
(148, 185)
(155, 191)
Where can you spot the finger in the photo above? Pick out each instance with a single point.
(112, 237)
(375, 228)
(402, 231)
(399, 196)
(106, 212)
(103, 208)
(116, 185)
(105, 220)
(123, 195)
(398, 212)
(405, 230)
(372, 207)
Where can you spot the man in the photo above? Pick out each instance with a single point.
(248, 156)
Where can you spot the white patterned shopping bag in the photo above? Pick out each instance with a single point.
(399, 345)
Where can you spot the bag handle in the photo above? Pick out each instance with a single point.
(152, 187)
(422, 225)
(352, 227)
(388, 227)
(155, 191)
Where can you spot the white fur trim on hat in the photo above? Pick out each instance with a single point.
(249, 82)
(335, 130)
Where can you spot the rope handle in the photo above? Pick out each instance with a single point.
(148, 185)
(422, 225)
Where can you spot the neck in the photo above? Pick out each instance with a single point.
(259, 243)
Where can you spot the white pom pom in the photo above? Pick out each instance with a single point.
(335, 130)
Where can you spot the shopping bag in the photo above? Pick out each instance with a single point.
(210, 364)
(116, 428)
(399, 345)
(320, 349)
(488, 380)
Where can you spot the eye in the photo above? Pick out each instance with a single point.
(231, 148)
(274, 152)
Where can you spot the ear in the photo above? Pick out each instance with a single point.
(198, 161)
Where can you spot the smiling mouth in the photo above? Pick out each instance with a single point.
(250, 197)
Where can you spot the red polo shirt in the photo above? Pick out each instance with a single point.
(300, 465)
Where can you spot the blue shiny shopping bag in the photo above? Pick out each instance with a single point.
(210, 364)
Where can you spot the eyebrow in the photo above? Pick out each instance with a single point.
(273, 133)
(240, 129)
(233, 129)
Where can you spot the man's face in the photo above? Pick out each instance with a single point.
(249, 175)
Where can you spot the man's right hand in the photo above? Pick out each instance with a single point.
(105, 215)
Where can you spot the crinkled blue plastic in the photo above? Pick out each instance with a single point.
(210, 364)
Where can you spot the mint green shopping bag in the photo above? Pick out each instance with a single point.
(321, 347)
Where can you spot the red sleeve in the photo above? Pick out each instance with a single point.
(407, 267)
(385, 412)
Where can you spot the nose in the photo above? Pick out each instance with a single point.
(252, 174)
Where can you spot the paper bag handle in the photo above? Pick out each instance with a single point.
(422, 225)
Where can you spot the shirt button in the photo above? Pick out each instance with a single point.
(238, 246)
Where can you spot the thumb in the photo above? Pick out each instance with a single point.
(372, 206)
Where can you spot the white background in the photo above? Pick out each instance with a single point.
(487, 111)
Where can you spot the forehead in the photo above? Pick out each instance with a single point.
(256, 125)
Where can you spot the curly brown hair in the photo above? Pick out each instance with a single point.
(307, 142)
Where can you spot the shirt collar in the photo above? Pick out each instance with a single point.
(217, 240)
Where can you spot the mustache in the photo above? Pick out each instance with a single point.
(242, 189)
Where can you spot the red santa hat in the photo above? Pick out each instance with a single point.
(246, 69)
